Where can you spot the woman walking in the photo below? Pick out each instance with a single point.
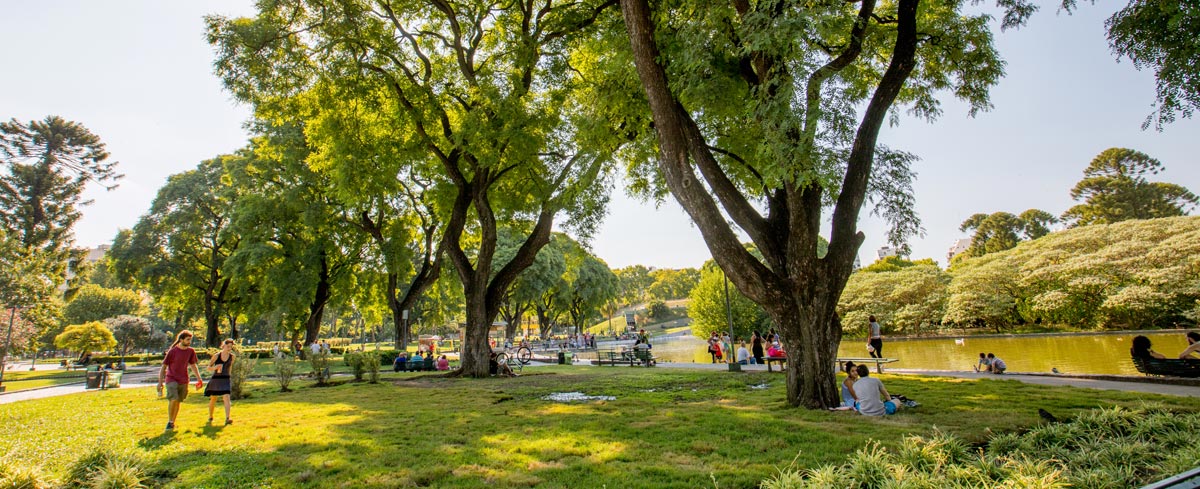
(875, 339)
(220, 385)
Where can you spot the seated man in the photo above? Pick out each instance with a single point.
(1192, 352)
(416, 362)
(401, 360)
(871, 394)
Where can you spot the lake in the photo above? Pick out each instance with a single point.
(1083, 353)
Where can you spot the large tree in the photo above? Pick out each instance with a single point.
(96, 303)
(1000, 231)
(1161, 35)
(1114, 188)
(481, 95)
(48, 163)
(178, 250)
(766, 113)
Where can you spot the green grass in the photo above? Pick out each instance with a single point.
(667, 428)
(24, 380)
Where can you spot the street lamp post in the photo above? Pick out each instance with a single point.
(733, 365)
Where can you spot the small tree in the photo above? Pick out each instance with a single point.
(87, 337)
(285, 371)
(239, 373)
(130, 332)
(320, 367)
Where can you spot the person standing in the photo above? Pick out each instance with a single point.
(315, 348)
(220, 384)
(756, 348)
(174, 373)
(875, 339)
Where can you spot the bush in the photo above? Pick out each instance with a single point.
(1101, 448)
(105, 467)
(320, 367)
(22, 476)
(371, 365)
(242, 368)
(356, 361)
(657, 310)
(285, 371)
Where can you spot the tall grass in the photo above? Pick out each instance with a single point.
(1108, 447)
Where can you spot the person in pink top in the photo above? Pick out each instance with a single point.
(174, 373)
(443, 363)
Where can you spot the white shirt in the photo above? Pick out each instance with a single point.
(315, 348)
(742, 354)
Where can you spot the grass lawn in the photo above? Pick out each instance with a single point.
(666, 428)
(16, 380)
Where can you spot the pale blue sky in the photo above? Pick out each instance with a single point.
(138, 73)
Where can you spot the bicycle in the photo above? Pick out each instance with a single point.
(515, 361)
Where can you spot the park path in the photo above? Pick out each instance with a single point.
(132, 379)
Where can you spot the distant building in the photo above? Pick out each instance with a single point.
(96, 254)
(887, 251)
(960, 245)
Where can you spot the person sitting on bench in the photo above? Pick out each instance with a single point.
(1192, 352)
(1141, 349)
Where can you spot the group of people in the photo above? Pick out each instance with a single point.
(174, 377)
(761, 347)
(1141, 348)
(421, 360)
(990, 363)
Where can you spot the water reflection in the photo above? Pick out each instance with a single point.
(1078, 353)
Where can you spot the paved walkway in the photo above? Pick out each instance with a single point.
(133, 379)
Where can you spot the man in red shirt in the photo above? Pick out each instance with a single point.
(174, 372)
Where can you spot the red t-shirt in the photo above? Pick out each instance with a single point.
(177, 361)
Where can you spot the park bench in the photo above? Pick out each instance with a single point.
(877, 361)
(611, 357)
(779, 360)
(644, 358)
(1172, 367)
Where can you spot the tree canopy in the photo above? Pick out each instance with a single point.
(1161, 35)
(1000, 231)
(87, 337)
(1115, 188)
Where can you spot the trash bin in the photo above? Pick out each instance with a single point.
(562, 358)
(94, 380)
(568, 358)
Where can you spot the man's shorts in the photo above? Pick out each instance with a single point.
(176, 391)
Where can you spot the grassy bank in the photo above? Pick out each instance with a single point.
(666, 428)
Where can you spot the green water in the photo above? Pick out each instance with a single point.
(1074, 353)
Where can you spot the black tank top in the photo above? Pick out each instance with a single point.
(225, 364)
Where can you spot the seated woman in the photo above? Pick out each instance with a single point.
(775, 351)
(443, 363)
(849, 399)
(1141, 348)
(401, 359)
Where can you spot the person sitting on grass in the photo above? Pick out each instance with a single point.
(1192, 352)
(416, 362)
(443, 363)
(995, 364)
(497, 368)
(871, 394)
(848, 398)
(1141, 348)
(984, 364)
(399, 364)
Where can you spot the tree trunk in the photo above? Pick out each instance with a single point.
(476, 352)
(212, 322)
(316, 309)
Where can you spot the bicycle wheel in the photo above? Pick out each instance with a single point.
(524, 355)
(502, 359)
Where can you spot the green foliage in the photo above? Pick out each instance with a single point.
(910, 299)
(96, 303)
(673, 283)
(657, 310)
(103, 466)
(320, 367)
(49, 164)
(707, 307)
(1133, 274)
(1001, 231)
(371, 365)
(86, 337)
(130, 332)
(1107, 447)
(285, 371)
(635, 281)
(243, 366)
(1158, 34)
(357, 363)
(896, 263)
(1114, 188)
(22, 476)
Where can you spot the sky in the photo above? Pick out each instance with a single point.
(139, 75)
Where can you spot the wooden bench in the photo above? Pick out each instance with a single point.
(611, 357)
(779, 360)
(1173, 367)
(643, 357)
(858, 361)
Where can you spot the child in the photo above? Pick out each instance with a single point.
(984, 365)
